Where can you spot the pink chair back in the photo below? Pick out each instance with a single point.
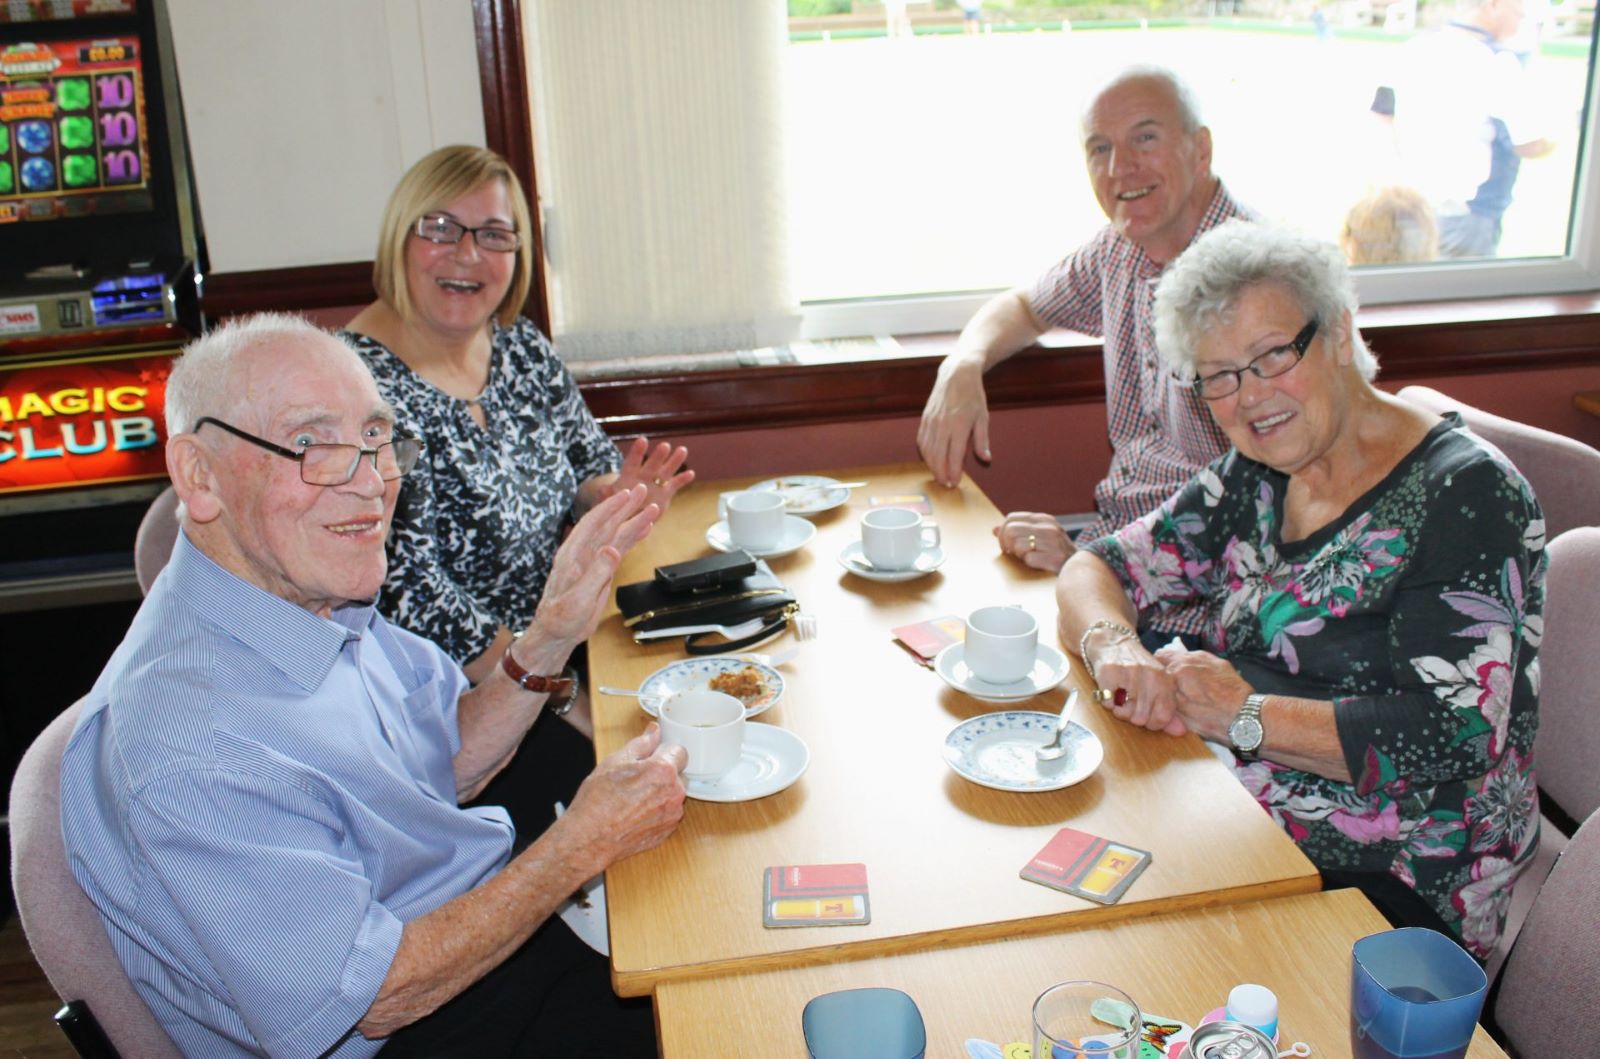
(62, 926)
(158, 533)
(1553, 974)
(1568, 743)
(1564, 473)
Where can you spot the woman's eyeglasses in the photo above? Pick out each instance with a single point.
(444, 230)
(1272, 363)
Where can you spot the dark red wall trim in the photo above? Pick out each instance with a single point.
(1411, 342)
(508, 125)
(287, 289)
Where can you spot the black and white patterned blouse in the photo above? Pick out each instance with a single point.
(479, 519)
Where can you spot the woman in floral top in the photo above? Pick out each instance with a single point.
(1376, 575)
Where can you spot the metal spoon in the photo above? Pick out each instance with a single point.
(1055, 747)
(649, 702)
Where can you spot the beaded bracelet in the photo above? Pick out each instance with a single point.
(1094, 627)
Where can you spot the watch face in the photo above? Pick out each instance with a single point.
(1245, 734)
(561, 701)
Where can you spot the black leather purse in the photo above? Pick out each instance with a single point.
(741, 610)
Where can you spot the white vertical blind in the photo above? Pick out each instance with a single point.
(659, 139)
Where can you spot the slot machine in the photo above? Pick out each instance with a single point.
(101, 261)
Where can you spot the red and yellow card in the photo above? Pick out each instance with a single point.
(926, 639)
(816, 895)
(1086, 866)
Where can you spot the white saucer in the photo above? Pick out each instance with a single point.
(688, 673)
(997, 750)
(771, 759)
(797, 533)
(854, 560)
(807, 494)
(1050, 667)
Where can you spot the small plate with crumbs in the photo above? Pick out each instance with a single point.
(755, 685)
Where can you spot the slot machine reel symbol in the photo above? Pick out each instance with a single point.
(34, 137)
(38, 174)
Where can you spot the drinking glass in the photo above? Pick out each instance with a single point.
(1065, 1025)
(1414, 994)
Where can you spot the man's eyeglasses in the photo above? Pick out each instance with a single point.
(335, 464)
(444, 230)
(1272, 363)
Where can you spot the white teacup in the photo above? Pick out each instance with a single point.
(709, 725)
(1001, 644)
(755, 519)
(893, 537)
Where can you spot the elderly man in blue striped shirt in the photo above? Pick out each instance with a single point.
(264, 794)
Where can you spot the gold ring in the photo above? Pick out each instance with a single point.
(1116, 697)
(1033, 542)
(657, 481)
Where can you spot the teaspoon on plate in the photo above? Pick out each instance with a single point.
(1055, 747)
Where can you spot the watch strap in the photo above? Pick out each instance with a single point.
(562, 688)
(1249, 713)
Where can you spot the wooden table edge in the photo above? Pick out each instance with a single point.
(644, 982)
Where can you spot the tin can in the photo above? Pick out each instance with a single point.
(1229, 1040)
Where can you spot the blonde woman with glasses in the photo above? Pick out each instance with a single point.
(513, 454)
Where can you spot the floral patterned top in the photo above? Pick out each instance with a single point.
(1418, 612)
(479, 519)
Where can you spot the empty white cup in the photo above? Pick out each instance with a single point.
(892, 538)
(707, 724)
(755, 519)
(1001, 644)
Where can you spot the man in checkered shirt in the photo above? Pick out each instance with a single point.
(1149, 160)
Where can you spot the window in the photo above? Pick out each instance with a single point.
(914, 175)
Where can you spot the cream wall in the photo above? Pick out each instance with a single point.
(303, 114)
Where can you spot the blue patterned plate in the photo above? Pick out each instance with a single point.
(697, 673)
(997, 750)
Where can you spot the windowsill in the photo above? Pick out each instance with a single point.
(1412, 341)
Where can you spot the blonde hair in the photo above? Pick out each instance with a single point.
(1390, 226)
(437, 180)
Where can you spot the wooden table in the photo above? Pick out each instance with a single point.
(942, 853)
(1587, 401)
(1180, 965)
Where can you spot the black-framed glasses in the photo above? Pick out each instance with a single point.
(1274, 362)
(436, 229)
(335, 464)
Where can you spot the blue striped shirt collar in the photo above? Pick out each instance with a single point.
(298, 643)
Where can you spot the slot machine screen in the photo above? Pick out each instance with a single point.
(74, 137)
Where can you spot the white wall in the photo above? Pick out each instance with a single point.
(304, 113)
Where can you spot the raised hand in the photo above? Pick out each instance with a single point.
(659, 470)
(580, 577)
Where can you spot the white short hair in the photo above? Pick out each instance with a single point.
(1202, 287)
(1188, 102)
(202, 378)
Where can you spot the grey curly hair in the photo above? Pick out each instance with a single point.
(1202, 287)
